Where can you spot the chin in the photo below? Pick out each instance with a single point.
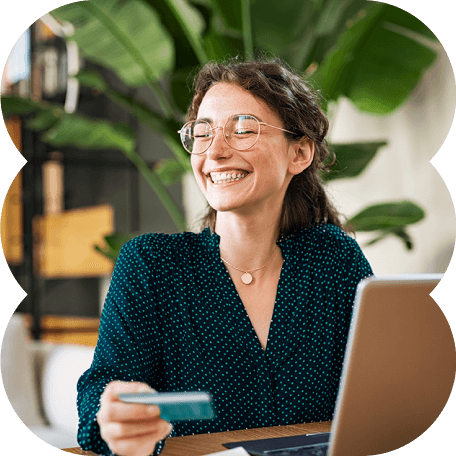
(222, 206)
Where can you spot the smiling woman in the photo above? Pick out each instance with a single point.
(255, 309)
(289, 102)
(267, 162)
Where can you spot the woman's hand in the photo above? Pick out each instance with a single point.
(130, 429)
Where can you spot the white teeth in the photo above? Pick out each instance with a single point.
(218, 178)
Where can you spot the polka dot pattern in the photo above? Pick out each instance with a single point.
(173, 319)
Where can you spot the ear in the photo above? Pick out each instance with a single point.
(302, 155)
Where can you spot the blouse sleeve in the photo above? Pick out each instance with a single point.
(356, 269)
(129, 342)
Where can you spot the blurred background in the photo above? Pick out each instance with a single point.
(92, 96)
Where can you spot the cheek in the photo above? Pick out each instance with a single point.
(196, 165)
(274, 160)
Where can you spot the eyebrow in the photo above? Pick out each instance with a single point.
(209, 120)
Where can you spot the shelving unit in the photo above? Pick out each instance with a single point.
(100, 188)
(45, 244)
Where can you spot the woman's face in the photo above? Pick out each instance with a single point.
(266, 169)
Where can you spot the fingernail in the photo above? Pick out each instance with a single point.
(153, 409)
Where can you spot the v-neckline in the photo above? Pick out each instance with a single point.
(283, 337)
(243, 310)
(245, 326)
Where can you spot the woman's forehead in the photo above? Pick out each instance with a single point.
(224, 100)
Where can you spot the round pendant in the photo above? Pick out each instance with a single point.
(246, 278)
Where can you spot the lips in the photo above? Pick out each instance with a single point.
(227, 176)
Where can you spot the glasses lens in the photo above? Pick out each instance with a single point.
(196, 136)
(242, 132)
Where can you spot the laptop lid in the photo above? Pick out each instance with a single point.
(399, 366)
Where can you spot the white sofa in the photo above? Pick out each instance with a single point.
(40, 382)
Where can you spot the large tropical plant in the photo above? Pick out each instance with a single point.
(371, 53)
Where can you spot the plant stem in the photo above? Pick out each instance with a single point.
(247, 29)
(178, 152)
(193, 39)
(159, 189)
(145, 115)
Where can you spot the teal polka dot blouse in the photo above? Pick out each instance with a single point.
(173, 319)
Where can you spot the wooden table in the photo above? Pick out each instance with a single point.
(203, 444)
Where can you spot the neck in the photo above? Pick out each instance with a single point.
(247, 243)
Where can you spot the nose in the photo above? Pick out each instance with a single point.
(219, 147)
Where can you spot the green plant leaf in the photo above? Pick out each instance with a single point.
(140, 110)
(331, 13)
(92, 79)
(380, 237)
(166, 127)
(373, 65)
(401, 233)
(180, 85)
(43, 120)
(14, 105)
(228, 15)
(78, 131)
(300, 32)
(192, 25)
(224, 37)
(276, 28)
(408, 21)
(186, 28)
(169, 171)
(327, 32)
(127, 37)
(351, 159)
(405, 237)
(114, 243)
(41, 116)
(327, 20)
(221, 47)
(107, 253)
(387, 216)
(362, 50)
(117, 240)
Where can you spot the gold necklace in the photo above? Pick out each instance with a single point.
(247, 278)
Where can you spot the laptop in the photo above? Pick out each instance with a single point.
(398, 372)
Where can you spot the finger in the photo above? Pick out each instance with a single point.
(140, 445)
(123, 412)
(128, 430)
(116, 387)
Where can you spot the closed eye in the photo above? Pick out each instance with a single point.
(245, 132)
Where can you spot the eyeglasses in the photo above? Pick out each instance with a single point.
(241, 132)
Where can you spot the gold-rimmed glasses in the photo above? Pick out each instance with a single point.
(241, 132)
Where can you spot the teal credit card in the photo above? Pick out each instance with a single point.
(176, 406)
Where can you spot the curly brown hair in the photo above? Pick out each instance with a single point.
(285, 92)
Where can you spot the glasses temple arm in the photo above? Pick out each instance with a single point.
(277, 128)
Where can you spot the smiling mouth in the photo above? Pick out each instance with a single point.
(221, 178)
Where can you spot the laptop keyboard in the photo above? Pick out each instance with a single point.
(318, 450)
